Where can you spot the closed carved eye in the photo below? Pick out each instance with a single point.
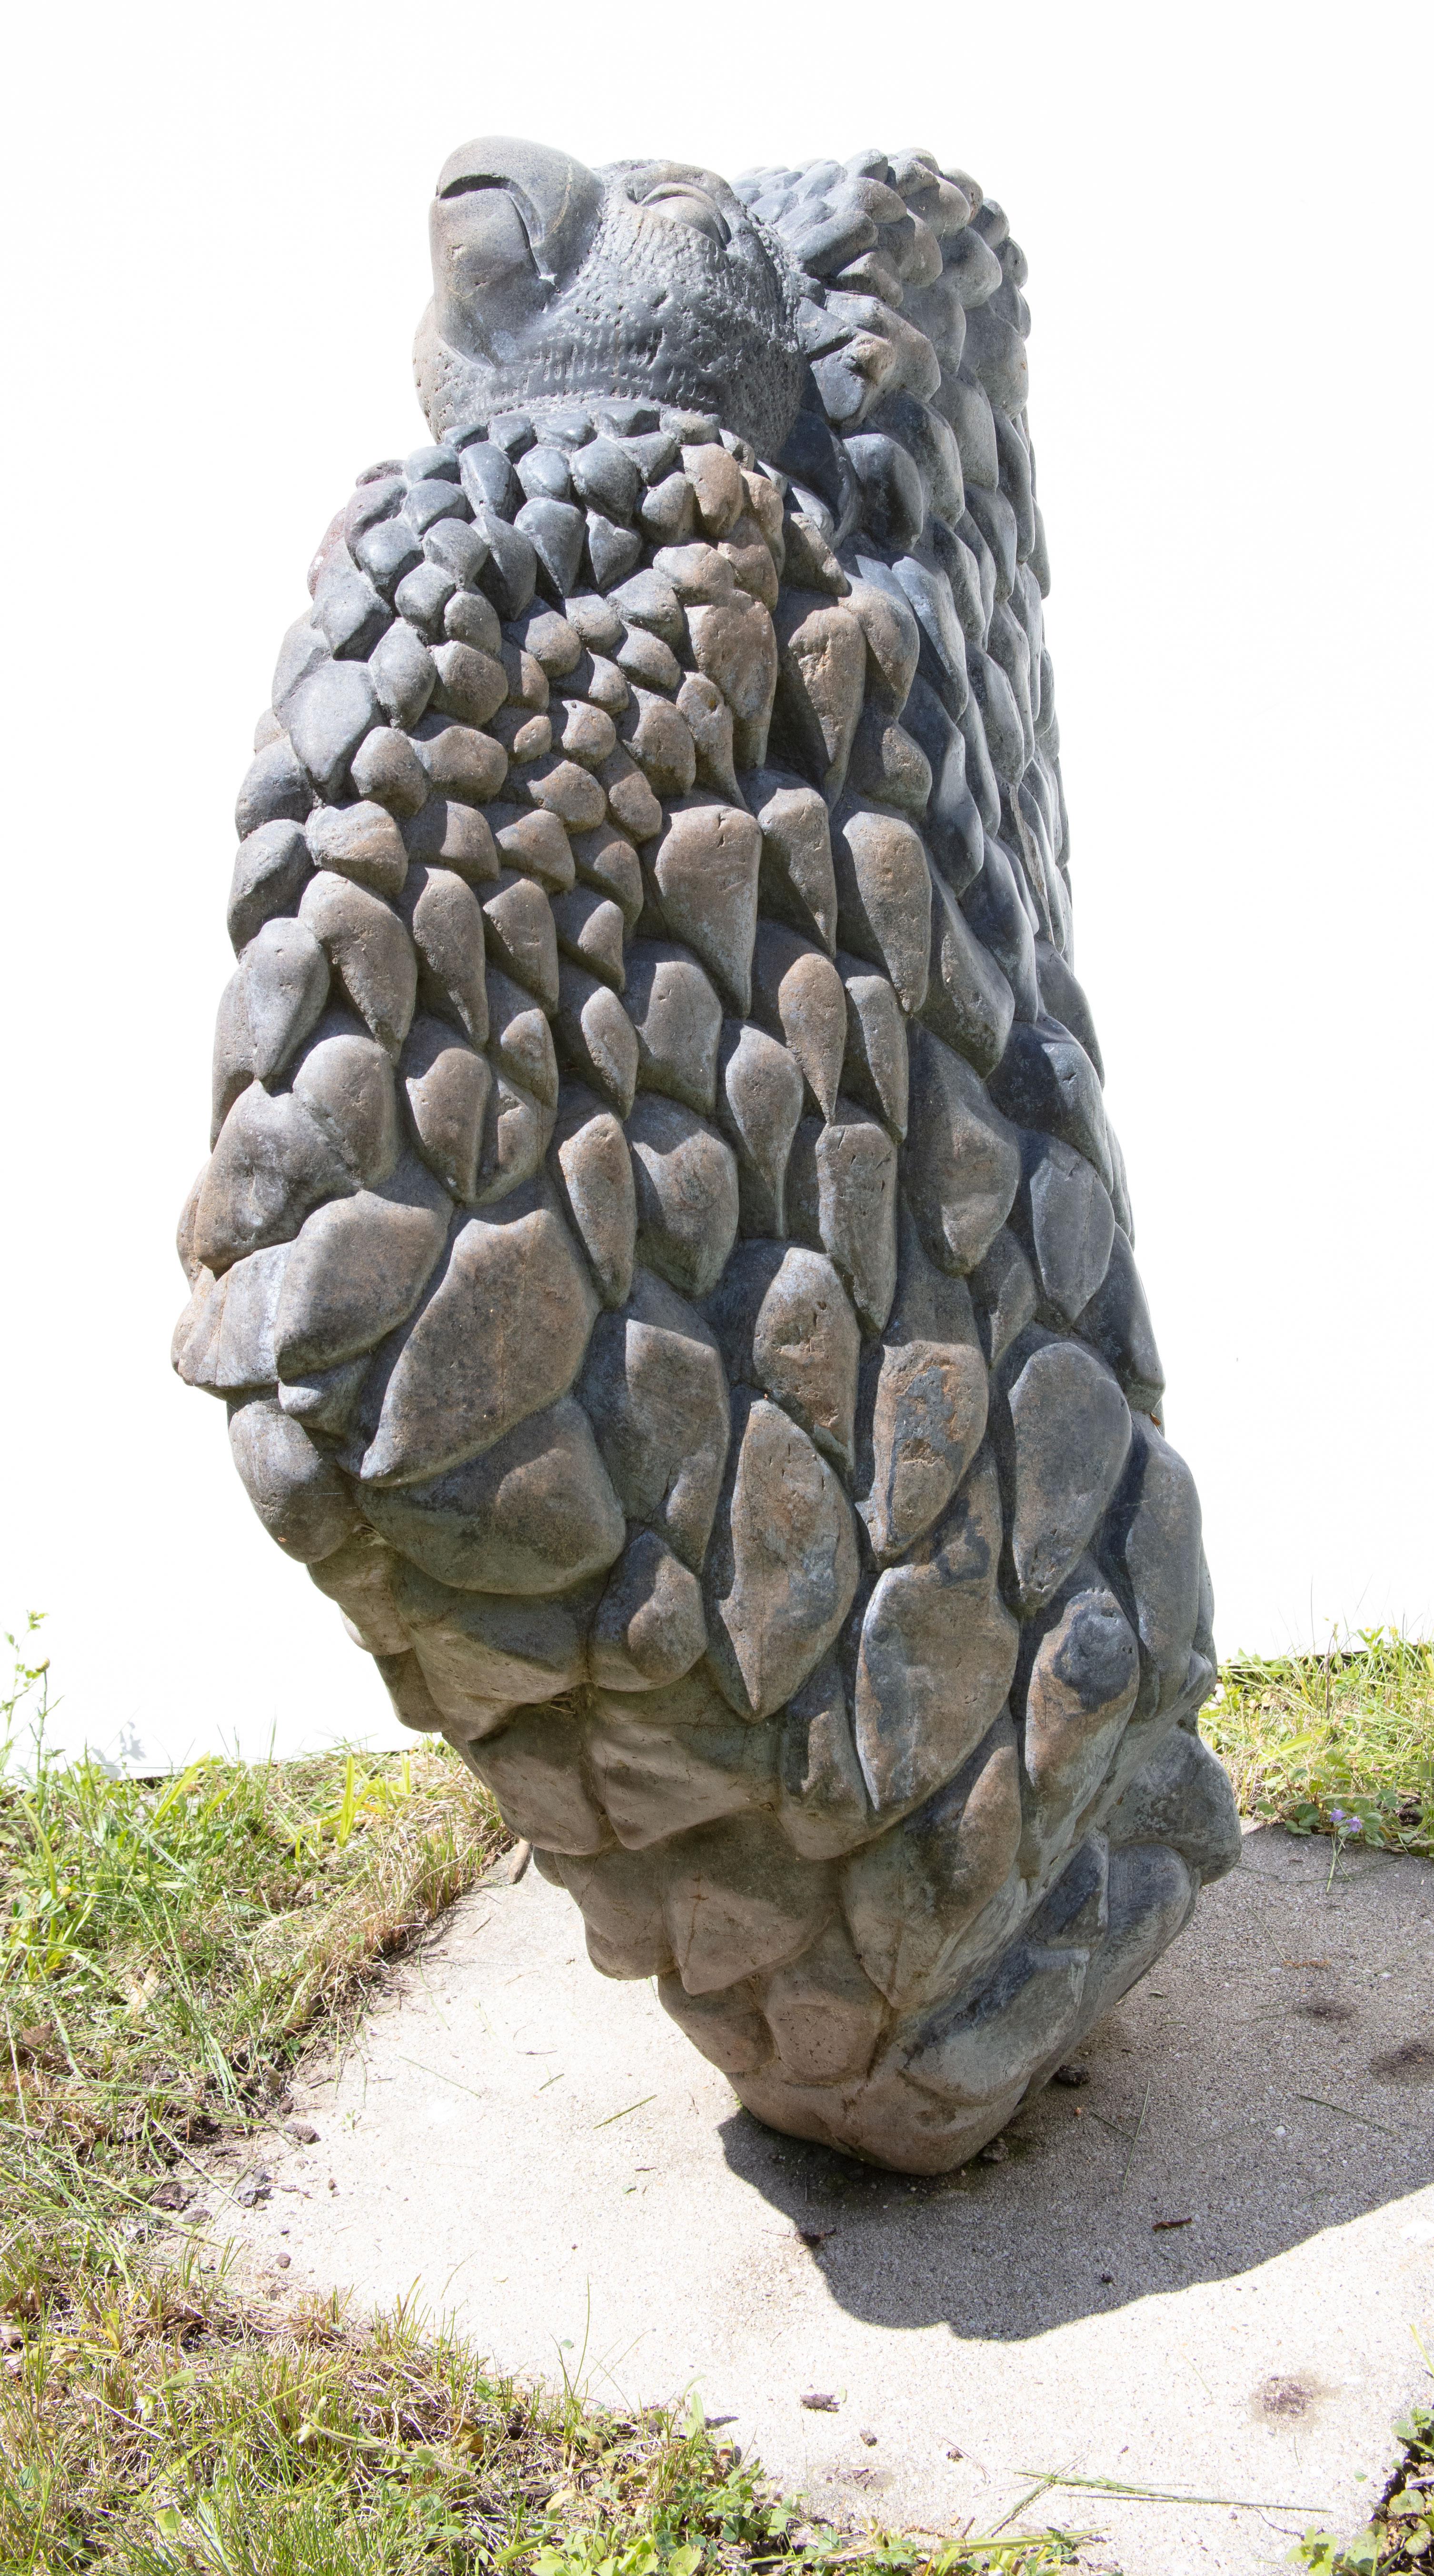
(683, 203)
(474, 185)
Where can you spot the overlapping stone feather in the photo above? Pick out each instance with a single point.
(663, 1247)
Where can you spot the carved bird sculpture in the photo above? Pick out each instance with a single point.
(663, 1250)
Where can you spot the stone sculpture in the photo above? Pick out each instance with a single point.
(663, 1249)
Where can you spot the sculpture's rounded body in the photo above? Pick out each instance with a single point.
(663, 1247)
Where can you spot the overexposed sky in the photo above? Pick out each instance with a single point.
(216, 221)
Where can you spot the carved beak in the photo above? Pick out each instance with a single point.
(509, 221)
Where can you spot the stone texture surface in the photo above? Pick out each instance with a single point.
(545, 2159)
(663, 1245)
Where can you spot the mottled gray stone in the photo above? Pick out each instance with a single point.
(687, 1194)
(937, 1654)
(1045, 1080)
(1005, 1291)
(358, 1268)
(457, 758)
(531, 1765)
(735, 1902)
(445, 924)
(928, 1420)
(824, 2012)
(595, 1036)
(783, 1570)
(705, 869)
(875, 1069)
(786, 1325)
(797, 994)
(593, 1171)
(327, 717)
(917, 1893)
(648, 1630)
(275, 789)
(224, 1340)
(734, 645)
(666, 1765)
(1153, 1548)
(824, 1805)
(968, 1001)
(272, 1000)
(271, 869)
(678, 1019)
(533, 1514)
(298, 1493)
(820, 689)
(520, 1038)
(1070, 1431)
(369, 952)
(503, 1333)
(1182, 1798)
(1069, 1225)
(447, 834)
(655, 1390)
(1079, 1695)
(964, 1162)
(522, 935)
(345, 1081)
(484, 1653)
(759, 1105)
(446, 1087)
(271, 1163)
(797, 881)
(842, 1195)
(359, 1577)
(884, 897)
(387, 770)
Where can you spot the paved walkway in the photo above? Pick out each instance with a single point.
(1201, 2271)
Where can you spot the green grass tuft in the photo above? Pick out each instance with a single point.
(1339, 1744)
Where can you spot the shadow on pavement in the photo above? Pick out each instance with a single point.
(1273, 2076)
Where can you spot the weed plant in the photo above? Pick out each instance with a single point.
(1398, 2539)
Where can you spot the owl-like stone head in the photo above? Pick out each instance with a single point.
(647, 281)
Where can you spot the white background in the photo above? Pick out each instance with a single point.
(216, 225)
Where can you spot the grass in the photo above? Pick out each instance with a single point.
(1339, 1744)
(168, 1951)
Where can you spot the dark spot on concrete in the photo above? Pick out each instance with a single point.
(1280, 2396)
(1322, 2009)
(1411, 2063)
